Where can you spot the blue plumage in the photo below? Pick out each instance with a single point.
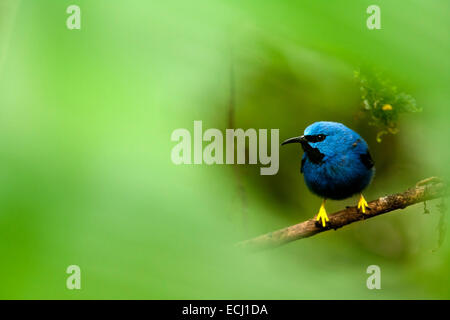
(343, 171)
(336, 163)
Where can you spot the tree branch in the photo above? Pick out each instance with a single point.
(424, 190)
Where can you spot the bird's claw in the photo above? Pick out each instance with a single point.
(362, 204)
(322, 215)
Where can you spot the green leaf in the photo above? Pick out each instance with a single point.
(382, 101)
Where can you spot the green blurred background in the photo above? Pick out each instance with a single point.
(86, 176)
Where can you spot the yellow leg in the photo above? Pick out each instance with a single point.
(362, 204)
(322, 215)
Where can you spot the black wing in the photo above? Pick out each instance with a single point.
(303, 163)
(367, 160)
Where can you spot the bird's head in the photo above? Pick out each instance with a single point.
(325, 139)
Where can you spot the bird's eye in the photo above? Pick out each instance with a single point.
(316, 138)
(320, 137)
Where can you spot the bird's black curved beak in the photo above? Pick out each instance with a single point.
(300, 139)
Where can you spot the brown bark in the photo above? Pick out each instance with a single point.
(427, 189)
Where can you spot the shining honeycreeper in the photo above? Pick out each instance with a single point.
(336, 163)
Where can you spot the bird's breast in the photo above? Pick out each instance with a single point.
(336, 177)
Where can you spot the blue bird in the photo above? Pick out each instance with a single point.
(336, 163)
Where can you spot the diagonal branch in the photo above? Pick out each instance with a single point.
(427, 189)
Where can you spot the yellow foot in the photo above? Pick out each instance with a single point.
(322, 215)
(362, 204)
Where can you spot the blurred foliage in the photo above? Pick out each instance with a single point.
(383, 101)
(85, 123)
